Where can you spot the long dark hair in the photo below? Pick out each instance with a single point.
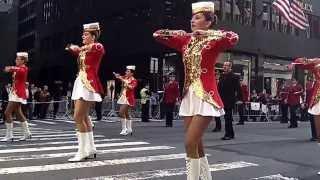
(209, 16)
(96, 34)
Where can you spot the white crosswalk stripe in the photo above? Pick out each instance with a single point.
(274, 177)
(23, 150)
(56, 155)
(57, 143)
(45, 122)
(171, 172)
(48, 151)
(54, 167)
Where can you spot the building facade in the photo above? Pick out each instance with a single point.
(267, 41)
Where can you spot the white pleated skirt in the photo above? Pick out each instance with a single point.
(192, 105)
(81, 92)
(14, 98)
(123, 100)
(315, 110)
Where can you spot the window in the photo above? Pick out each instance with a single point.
(227, 10)
(217, 8)
(266, 15)
(248, 12)
(51, 11)
(236, 11)
(275, 20)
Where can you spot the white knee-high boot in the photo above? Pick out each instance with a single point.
(91, 147)
(129, 127)
(205, 173)
(123, 127)
(193, 168)
(9, 133)
(81, 154)
(25, 131)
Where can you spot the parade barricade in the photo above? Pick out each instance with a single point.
(253, 110)
(36, 109)
(109, 108)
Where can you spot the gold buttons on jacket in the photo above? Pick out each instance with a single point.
(204, 70)
(211, 93)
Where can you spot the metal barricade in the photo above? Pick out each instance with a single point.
(253, 110)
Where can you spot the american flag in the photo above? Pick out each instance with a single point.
(292, 11)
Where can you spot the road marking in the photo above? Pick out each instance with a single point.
(59, 138)
(89, 164)
(60, 142)
(66, 121)
(45, 122)
(54, 135)
(30, 124)
(68, 147)
(274, 177)
(58, 155)
(17, 133)
(171, 172)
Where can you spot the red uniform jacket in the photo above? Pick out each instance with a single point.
(245, 93)
(129, 87)
(315, 95)
(309, 90)
(283, 95)
(199, 57)
(19, 79)
(295, 93)
(89, 63)
(171, 92)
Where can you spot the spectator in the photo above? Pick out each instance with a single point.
(154, 101)
(57, 96)
(4, 97)
(44, 99)
(244, 101)
(145, 99)
(254, 99)
(37, 105)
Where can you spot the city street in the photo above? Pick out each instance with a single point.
(260, 151)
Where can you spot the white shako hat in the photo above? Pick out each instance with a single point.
(23, 54)
(91, 27)
(131, 67)
(206, 6)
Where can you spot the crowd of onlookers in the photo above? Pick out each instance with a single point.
(39, 99)
(291, 102)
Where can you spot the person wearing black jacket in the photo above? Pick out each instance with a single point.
(57, 96)
(4, 98)
(229, 90)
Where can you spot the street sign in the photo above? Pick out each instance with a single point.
(154, 65)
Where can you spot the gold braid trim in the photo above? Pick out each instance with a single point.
(82, 71)
(192, 60)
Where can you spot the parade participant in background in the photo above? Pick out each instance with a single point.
(312, 65)
(201, 100)
(87, 88)
(17, 96)
(283, 94)
(171, 95)
(309, 117)
(294, 101)
(127, 98)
